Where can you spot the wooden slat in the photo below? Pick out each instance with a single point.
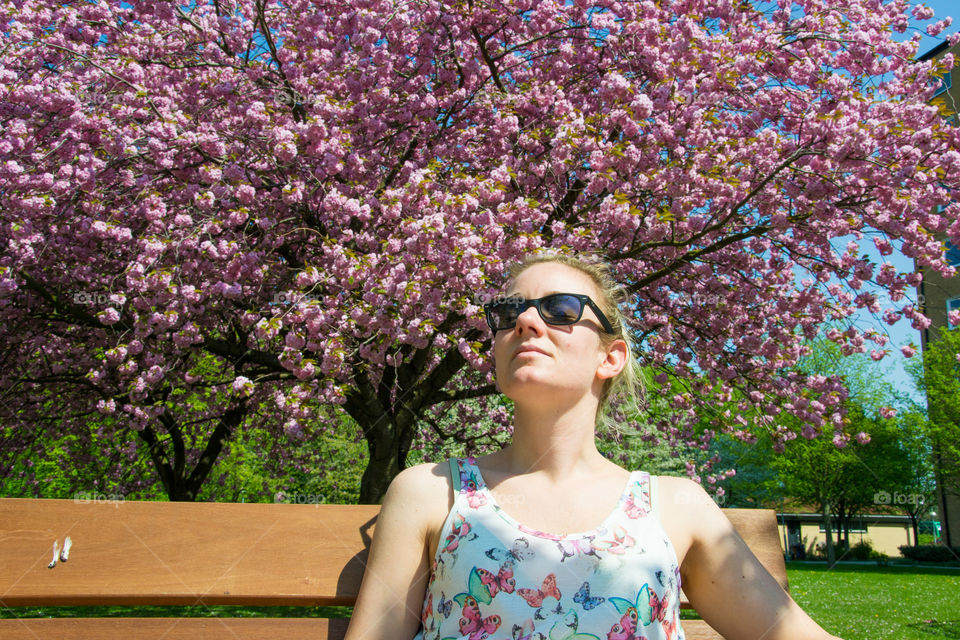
(211, 553)
(183, 553)
(214, 629)
(699, 630)
(173, 629)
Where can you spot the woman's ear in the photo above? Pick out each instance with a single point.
(614, 361)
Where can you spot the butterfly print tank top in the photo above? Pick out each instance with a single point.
(494, 578)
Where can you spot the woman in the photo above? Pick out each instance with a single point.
(481, 548)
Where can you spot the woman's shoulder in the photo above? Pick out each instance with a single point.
(424, 493)
(682, 497)
(427, 488)
(687, 512)
(428, 479)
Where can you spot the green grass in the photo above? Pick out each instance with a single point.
(854, 602)
(862, 602)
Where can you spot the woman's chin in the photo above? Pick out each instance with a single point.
(521, 385)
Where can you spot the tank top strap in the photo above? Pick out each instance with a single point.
(465, 476)
(653, 492)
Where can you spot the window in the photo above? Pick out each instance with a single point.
(856, 526)
(946, 81)
(953, 304)
(953, 254)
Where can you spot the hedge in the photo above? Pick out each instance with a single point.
(930, 552)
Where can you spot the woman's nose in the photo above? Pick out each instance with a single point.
(530, 320)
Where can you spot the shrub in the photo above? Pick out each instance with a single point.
(930, 553)
(860, 551)
(819, 551)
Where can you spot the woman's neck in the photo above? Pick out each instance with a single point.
(560, 445)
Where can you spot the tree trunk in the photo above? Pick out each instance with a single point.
(388, 414)
(180, 483)
(831, 551)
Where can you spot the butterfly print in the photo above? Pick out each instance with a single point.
(567, 628)
(535, 597)
(470, 485)
(620, 542)
(526, 631)
(658, 607)
(502, 581)
(483, 584)
(627, 627)
(582, 596)
(461, 528)
(445, 606)
(427, 610)
(474, 624)
(518, 553)
(540, 615)
(637, 503)
(647, 605)
(671, 626)
(570, 548)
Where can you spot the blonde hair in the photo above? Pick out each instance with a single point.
(624, 392)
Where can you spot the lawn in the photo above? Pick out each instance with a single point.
(854, 602)
(862, 602)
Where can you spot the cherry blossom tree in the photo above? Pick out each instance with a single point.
(319, 196)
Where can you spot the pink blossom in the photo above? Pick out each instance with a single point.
(714, 159)
(245, 194)
(242, 386)
(108, 316)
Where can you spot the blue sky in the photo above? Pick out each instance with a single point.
(941, 9)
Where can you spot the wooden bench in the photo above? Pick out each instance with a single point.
(181, 553)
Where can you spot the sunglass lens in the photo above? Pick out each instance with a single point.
(504, 315)
(561, 309)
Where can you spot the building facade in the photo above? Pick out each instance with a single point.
(939, 296)
(801, 533)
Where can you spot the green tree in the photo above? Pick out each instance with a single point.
(938, 376)
(843, 478)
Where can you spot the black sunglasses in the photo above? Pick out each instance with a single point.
(556, 309)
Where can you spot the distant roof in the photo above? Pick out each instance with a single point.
(940, 48)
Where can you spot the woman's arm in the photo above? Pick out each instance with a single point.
(398, 567)
(726, 583)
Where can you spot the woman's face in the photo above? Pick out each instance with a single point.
(535, 356)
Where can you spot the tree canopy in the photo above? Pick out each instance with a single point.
(320, 195)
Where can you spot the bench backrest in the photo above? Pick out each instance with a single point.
(175, 553)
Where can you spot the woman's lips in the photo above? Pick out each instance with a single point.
(528, 349)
